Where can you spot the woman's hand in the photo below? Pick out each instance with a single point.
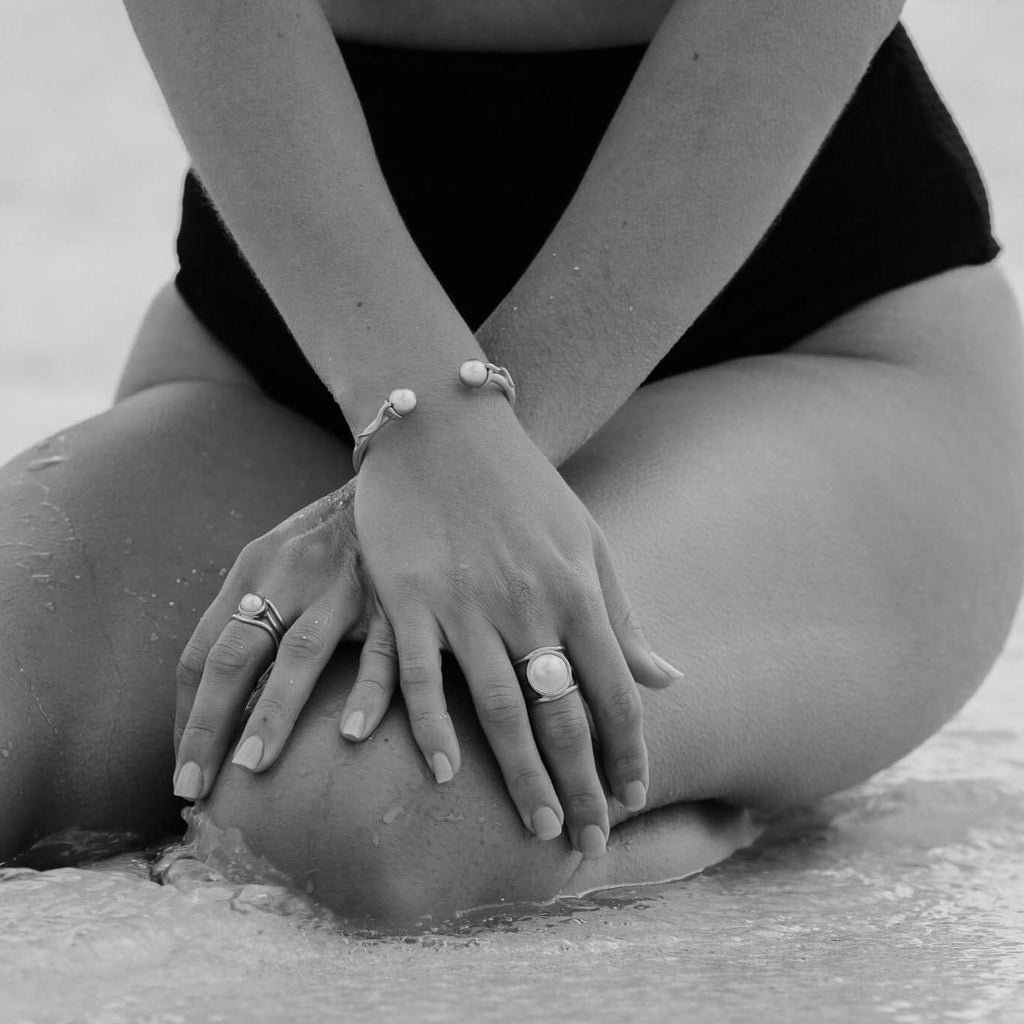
(310, 568)
(477, 545)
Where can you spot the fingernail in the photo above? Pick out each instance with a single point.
(249, 753)
(352, 729)
(545, 824)
(669, 670)
(442, 767)
(634, 796)
(591, 842)
(189, 783)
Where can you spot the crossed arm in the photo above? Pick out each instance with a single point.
(725, 114)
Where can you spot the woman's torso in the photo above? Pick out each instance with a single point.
(496, 24)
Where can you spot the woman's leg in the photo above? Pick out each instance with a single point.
(827, 540)
(747, 515)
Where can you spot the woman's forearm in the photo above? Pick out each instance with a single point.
(724, 116)
(261, 97)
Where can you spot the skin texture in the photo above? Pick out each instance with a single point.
(853, 517)
(709, 141)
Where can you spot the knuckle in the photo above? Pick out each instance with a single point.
(622, 708)
(628, 766)
(500, 706)
(566, 732)
(191, 665)
(582, 806)
(381, 644)
(408, 583)
(200, 731)
(630, 624)
(521, 590)
(229, 656)
(418, 671)
(271, 709)
(526, 778)
(380, 688)
(305, 643)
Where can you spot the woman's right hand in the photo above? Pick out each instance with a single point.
(310, 568)
(476, 544)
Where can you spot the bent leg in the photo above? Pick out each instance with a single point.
(828, 541)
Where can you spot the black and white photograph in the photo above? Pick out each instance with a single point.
(511, 510)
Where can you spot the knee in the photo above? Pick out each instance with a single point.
(365, 828)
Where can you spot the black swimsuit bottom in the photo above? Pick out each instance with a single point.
(483, 151)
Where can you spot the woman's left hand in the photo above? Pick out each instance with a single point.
(310, 568)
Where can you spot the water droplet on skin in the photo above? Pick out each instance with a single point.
(576, 269)
(153, 637)
(234, 513)
(50, 606)
(52, 460)
(390, 814)
(375, 839)
(41, 577)
(4, 752)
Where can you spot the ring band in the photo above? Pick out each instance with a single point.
(545, 674)
(257, 610)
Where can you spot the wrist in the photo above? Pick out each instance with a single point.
(447, 423)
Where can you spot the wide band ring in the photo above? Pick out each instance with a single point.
(257, 610)
(545, 675)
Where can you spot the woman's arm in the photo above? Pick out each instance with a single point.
(261, 97)
(727, 110)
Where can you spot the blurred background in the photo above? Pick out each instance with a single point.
(89, 187)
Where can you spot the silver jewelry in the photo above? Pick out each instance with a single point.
(400, 403)
(545, 675)
(475, 373)
(257, 610)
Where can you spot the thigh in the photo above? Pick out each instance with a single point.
(116, 534)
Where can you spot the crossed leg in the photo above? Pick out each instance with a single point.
(713, 489)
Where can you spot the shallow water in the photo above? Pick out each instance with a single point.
(902, 899)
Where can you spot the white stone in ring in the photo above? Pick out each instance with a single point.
(549, 674)
(473, 373)
(252, 604)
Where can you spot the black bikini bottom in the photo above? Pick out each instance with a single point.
(482, 152)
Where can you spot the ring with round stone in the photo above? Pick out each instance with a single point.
(545, 674)
(257, 610)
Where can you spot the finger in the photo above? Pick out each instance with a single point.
(419, 675)
(647, 668)
(563, 735)
(376, 682)
(613, 699)
(193, 658)
(501, 709)
(305, 650)
(235, 661)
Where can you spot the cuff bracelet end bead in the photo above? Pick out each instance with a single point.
(475, 373)
(399, 403)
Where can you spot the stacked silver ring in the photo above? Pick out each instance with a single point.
(257, 610)
(545, 675)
